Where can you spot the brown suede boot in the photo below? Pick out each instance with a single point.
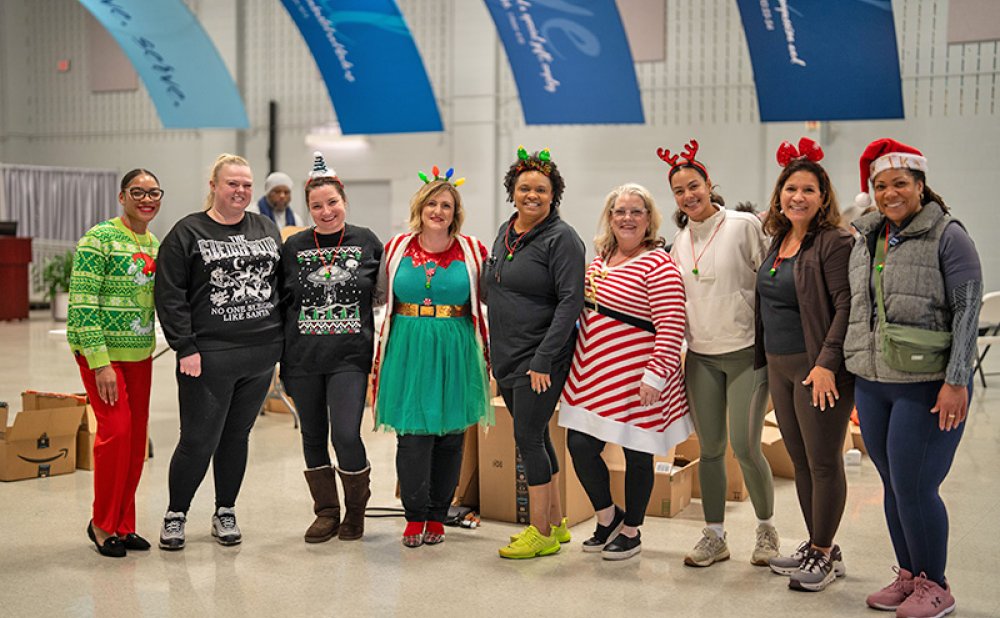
(357, 491)
(326, 504)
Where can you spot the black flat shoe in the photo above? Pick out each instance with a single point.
(112, 548)
(622, 548)
(602, 534)
(134, 542)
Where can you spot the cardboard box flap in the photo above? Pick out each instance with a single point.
(31, 424)
(88, 421)
(3, 417)
(37, 400)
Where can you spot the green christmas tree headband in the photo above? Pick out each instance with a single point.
(543, 163)
(437, 176)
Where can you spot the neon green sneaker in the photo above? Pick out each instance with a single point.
(561, 532)
(530, 544)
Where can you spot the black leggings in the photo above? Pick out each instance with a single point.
(532, 412)
(336, 401)
(815, 443)
(428, 468)
(218, 410)
(593, 473)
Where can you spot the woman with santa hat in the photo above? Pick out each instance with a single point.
(916, 289)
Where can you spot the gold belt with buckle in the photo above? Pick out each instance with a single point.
(414, 310)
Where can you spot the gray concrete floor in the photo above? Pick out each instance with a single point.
(49, 568)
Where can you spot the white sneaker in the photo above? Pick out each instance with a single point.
(710, 549)
(224, 527)
(172, 531)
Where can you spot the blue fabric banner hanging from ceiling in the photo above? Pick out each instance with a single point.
(187, 80)
(822, 60)
(371, 66)
(571, 60)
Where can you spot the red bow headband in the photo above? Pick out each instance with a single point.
(683, 158)
(807, 149)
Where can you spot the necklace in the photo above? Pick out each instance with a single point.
(885, 249)
(143, 254)
(511, 248)
(319, 251)
(698, 257)
(778, 259)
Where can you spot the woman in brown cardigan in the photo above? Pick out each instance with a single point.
(803, 303)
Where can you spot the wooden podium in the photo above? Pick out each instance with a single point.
(15, 255)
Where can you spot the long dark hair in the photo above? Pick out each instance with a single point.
(928, 195)
(681, 219)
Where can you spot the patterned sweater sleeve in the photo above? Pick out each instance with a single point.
(85, 331)
(665, 288)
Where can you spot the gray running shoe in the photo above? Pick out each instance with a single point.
(224, 527)
(815, 573)
(766, 546)
(172, 531)
(787, 565)
(710, 549)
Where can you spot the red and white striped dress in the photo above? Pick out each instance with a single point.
(601, 397)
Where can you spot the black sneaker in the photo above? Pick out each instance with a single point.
(602, 533)
(172, 531)
(623, 547)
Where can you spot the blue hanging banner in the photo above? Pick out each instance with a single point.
(371, 66)
(187, 80)
(571, 60)
(822, 60)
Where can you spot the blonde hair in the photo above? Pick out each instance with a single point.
(420, 198)
(605, 242)
(221, 161)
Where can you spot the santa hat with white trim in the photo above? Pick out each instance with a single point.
(884, 154)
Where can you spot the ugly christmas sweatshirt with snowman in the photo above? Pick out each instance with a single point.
(328, 285)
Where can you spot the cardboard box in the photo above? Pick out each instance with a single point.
(777, 455)
(736, 488)
(672, 484)
(85, 439)
(467, 492)
(856, 439)
(41, 441)
(277, 399)
(503, 487)
(771, 419)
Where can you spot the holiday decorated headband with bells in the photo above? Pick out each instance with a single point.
(808, 149)
(683, 158)
(437, 176)
(543, 163)
(320, 170)
(884, 154)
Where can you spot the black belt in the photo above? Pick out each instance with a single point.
(625, 318)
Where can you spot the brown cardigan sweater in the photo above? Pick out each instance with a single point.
(824, 294)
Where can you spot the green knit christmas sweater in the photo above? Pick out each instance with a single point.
(111, 295)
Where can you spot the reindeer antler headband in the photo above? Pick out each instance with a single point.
(808, 149)
(683, 158)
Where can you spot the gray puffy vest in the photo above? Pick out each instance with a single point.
(914, 292)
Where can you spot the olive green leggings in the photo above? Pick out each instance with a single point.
(713, 381)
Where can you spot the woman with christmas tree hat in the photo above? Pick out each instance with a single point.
(328, 292)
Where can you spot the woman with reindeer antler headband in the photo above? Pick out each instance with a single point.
(110, 331)
(718, 252)
(431, 371)
(803, 301)
(534, 287)
(328, 291)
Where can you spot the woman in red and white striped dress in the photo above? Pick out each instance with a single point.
(626, 384)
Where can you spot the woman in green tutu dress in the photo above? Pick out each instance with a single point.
(431, 374)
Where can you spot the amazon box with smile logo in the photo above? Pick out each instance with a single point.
(41, 439)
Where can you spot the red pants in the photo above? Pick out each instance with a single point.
(120, 445)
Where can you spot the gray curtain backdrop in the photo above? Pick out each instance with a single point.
(57, 203)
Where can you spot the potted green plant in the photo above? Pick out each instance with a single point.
(56, 273)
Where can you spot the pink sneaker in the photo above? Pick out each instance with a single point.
(929, 600)
(890, 597)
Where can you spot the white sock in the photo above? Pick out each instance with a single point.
(766, 522)
(718, 529)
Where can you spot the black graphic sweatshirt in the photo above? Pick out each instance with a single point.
(217, 285)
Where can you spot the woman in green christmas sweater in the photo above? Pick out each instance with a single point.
(111, 333)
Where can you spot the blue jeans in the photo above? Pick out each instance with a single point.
(913, 456)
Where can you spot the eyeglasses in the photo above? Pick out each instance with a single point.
(137, 193)
(635, 213)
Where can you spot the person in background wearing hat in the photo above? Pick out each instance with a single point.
(276, 203)
(913, 267)
(802, 304)
(110, 330)
(718, 252)
(534, 289)
(431, 373)
(328, 291)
